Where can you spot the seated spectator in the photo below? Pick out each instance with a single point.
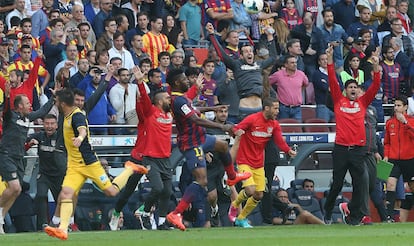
(308, 184)
(294, 214)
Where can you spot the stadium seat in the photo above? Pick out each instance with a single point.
(290, 129)
(295, 185)
(308, 113)
(308, 202)
(316, 128)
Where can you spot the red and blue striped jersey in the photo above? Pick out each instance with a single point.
(391, 77)
(189, 135)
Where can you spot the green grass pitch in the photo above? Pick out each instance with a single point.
(397, 234)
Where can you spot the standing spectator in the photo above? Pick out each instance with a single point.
(398, 31)
(398, 139)
(214, 12)
(404, 61)
(189, 14)
(103, 113)
(385, 27)
(135, 7)
(315, 7)
(321, 86)
(105, 13)
(241, 21)
(163, 65)
(177, 60)
(335, 35)
(294, 49)
(91, 10)
(232, 47)
(289, 83)
(402, 6)
(156, 42)
(71, 57)
(83, 68)
(118, 50)
(19, 12)
(136, 49)
(391, 75)
(311, 42)
(258, 128)
(364, 23)
(226, 96)
(44, 35)
(102, 59)
(291, 15)
(54, 50)
(209, 90)
(141, 28)
(65, 8)
(106, 40)
(352, 70)
(350, 140)
(81, 39)
(154, 82)
(78, 17)
(40, 18)
(122, 22)
(344, 13)
(122, 97)
(377, 8)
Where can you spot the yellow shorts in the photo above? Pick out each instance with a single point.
(76, 176)
(3, 186)
(257, 179)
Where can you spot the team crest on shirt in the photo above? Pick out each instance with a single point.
(103, 178)
(186, 110)
(392, 126)
(14, 175)
(269, 129)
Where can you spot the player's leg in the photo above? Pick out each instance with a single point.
(243, 195)
(41, 200)
(390, 196)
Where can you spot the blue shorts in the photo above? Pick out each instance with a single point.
(195, 157)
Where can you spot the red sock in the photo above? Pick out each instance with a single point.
(231, 174)
(182, 206)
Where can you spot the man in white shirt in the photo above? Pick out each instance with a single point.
(118, 50)
(19, 12)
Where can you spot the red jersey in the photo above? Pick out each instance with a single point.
(399, 139)
(136, 152)
(350, 115)
(27, 87)
(157, 127)
(258, 131)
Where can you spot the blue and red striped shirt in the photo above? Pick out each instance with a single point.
(189, 135)
(391, 77)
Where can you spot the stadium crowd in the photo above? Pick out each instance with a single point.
(117, 57)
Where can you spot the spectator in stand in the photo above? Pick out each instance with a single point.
(315, 7)
(141, 28)
(81, 39)
(40, 18)
(123, 96)
(289, 83)
(391, 75)
(163, 65)
(4, 52)
(377, 8)
(344, 13)
(103, 113)
(91, 10)
(91, 56)
(335, 35)
(216, 11)
(71, 57)
(169, 26)
(118, 10)
(219, 74)
(135, 7)
(19, 11)
(65, 8)
(190, 14)
(209, 90)
(106, 40)
(352, 70)
(177, 60)
(364, 23)
(176, 38)
(385, 28)
(404, 61)
(294, 49)
(116, 63)
(309, 185)
(297, 215)
(310, 41)
(44, 35)
(118, 50)
(232, 47)
(102, 59)
(241, 21)
(398, 31)
(102, 16)
(291, 15)
(154, 82)
(123, 24)
(54, 50)
(145, 65)
(154, 36)
(402, 6)
(357, 49)
(281, 36)
(399, 132)
(83, 66)
(190, 61)
(77, 18)
(136, 49)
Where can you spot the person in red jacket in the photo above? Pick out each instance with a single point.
(350, 140)
(398, 142)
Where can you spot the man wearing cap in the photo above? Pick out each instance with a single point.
(363, 23)
(4, 49)
(350, 140)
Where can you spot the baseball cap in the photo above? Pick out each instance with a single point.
(358, 40)
(4, 41)
(26, 36)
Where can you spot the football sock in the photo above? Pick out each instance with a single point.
(390, 202)
(188, 197)
(241, 197)
(248, 208)
(228, 165)
(55, 220)
(66, 209)
(121, 180)
(161, 220)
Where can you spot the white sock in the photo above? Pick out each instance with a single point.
(214, 210)
(55, 220)
(1, 216)
(72, 220)
(161, 220)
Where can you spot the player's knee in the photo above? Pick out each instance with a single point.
(111, 192)
(250, 190)
(258, 196)
(391, 184)
(15, 188)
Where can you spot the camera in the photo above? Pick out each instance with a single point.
(97, 71)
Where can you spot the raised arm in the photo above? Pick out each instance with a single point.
(40, 113)
(144, 103)
(332, 80)
(230, 62)
(376, 82)
(103, 85)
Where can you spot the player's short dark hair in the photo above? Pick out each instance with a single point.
(268, 102)
(403, 99)
(78, 92)
(67, 96)
(173, 75)
(350, 81)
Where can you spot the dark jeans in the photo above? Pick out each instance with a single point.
(348, 158)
